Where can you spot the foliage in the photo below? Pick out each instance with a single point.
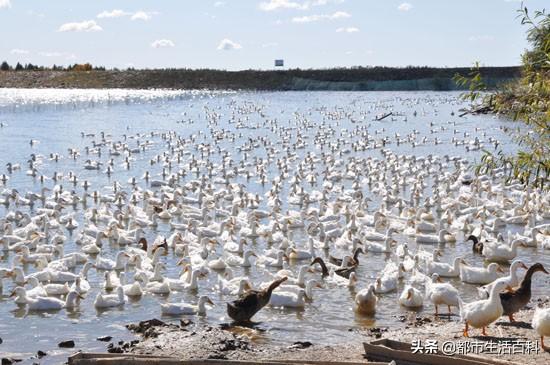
(528, 101)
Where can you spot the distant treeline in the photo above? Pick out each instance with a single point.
(354, 78)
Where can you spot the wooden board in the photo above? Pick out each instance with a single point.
(400, 352)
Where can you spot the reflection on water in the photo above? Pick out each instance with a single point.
(329, 317)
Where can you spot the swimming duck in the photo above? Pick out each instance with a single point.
(288, 299)
(45, 303)
(481, 313)
(411, 297)
(185, 308)
(110, 300)
(248, 304)
(365, 301)
(477, 247)
(479, 275)
(515, 299)
(344, 272)
(502, 252)
(339, 261)
(445, 270)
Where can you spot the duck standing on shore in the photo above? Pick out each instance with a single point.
(515, 299)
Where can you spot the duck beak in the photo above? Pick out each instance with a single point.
(544, 270)
(439, 280)
(210, 302)
(409, 295)
(499, 269)
(12, 294)
(509, 288)
(80, 296)
(310, 270)
(179, 263)
(253, 254)
(522, 265)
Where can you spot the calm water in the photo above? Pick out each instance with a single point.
(57, 119)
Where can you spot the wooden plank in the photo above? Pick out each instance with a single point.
(128, 359)
(387, 350)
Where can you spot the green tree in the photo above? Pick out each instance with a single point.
(4, 66)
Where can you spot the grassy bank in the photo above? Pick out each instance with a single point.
(360, 78)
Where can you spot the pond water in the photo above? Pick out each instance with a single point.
(230, 122)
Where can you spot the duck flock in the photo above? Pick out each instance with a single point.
(284, 209)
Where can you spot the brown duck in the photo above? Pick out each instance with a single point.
(513, 301)
(249, 303)
(477, 246)
(338, 261)
(344, 272)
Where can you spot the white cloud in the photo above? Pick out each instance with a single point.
(141, 15)
(66, 55)
(218, 4)
(317, 17)
(5, 4)
(228, 44)
(347, 30)
(162, 43)
(19, 51)
(289, 4)
(116, 13)
(404, 7)
(481, 38)
(281, 4)
(85, 26)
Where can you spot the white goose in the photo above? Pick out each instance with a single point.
(110, 300)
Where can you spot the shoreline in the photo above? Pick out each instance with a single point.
(188, 341)
(353, 79)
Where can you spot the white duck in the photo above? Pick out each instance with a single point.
(481, 313)
(479, 275)
(110, 300)
(288, 299)
(185, 308)
(440, 293)
(502, 252)
(541, 324)
(365, 301)
(512, 278)
(411, 297)
(44, 303)
(445, 270)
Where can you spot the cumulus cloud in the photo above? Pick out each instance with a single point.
(318, 17)
(19, 51)
(347, 30)
(404, 7)
(116, 13)
(142, 15)
(5, 4)
(228, 44)
(162, 43)
(85, 26)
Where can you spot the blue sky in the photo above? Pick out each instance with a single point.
(243, 34)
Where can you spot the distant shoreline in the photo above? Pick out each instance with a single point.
(339, 79)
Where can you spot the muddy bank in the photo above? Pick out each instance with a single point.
(190, 341)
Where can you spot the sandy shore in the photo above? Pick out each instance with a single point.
(193, 342)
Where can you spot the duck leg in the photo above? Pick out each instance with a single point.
(449, 308)
(483, 332)
(465, 332)
(436, 313)
(542, 344)
(511, 316)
